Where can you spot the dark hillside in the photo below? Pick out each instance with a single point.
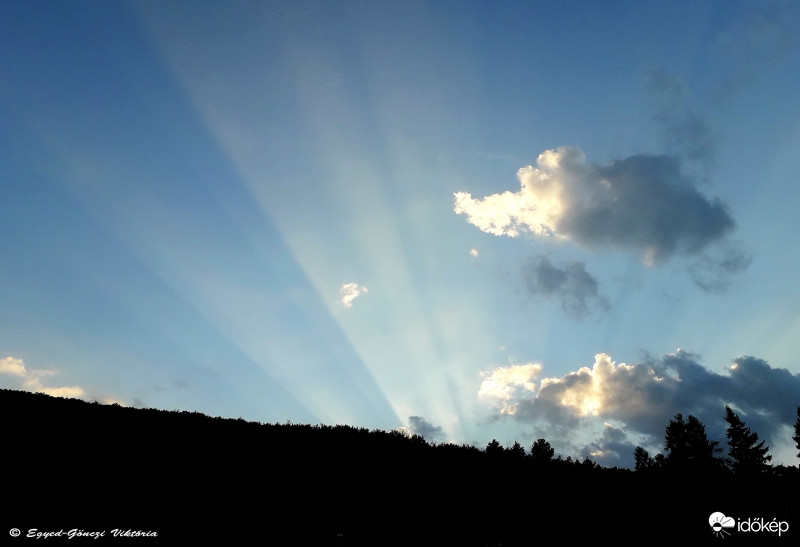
(71, 464)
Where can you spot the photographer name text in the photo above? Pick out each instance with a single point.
(78, 533)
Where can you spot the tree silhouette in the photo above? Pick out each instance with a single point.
(494, 448)
(178, 447)
(745, 455)
(796, 437)
(642, 459)
(541, 451)
(516, 452)
(687, 446)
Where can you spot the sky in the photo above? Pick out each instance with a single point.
(475, 220)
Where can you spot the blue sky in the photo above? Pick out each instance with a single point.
(507, 220)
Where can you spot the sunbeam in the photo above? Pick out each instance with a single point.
(366, 213)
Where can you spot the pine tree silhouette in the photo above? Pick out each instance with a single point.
(642, 459)
(687, 445)
(515, 452)
(746, 455)
(494, 448)
(796, 437)
(541, 451)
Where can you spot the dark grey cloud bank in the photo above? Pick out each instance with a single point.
(640, 399)
(613, 448)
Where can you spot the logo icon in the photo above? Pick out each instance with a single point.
(719, 522)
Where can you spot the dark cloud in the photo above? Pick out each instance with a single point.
(642, 398)
(570, 284)
(644, 203)
(767, 397)
(612, 449)
(420, 426)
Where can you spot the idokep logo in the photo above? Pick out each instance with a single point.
(719, 522)
(722, 526)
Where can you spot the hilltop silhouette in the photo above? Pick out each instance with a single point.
(190, 477)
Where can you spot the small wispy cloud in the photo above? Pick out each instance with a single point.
(570, 284)
(713, 272)
(350, 291)
(474, 253)
(684, 132)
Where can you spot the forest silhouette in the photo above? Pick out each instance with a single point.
(190, 477)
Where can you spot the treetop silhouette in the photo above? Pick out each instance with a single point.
(745, 455)
(796, 437)
(687, 445)
(541, 451)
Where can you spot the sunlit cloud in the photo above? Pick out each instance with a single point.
(605, 388)
(507, 385)
(351, 291)
(12, 366)
(536, 208)
(31, 379)
(73, 392)
(474, 253)
(643, 204)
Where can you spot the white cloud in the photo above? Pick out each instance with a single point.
(508, 384)
(12, 366)
(607, 388)
(73, 392)
(474, 253)
(31, 379)
(585, 392)
(351, 291)
(536, 208)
